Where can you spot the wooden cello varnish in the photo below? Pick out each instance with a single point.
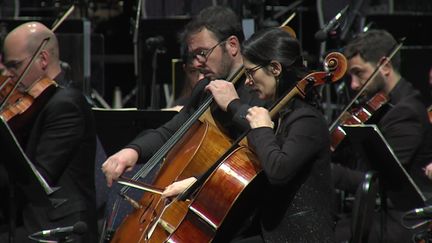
(227, 196)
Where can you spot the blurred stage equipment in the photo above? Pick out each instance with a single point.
(60, 234)
(413, 26)
(9, 8)
(324, 32)
(419, 220)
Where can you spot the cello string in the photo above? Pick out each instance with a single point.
(317, 78)
(158, 156)
(160, 153)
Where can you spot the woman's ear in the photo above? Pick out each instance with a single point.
(275, 68)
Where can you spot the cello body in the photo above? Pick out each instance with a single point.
(231, 175)
(193, 155)
(210, 215)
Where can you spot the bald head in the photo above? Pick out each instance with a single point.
(21, 44)
(28, 37)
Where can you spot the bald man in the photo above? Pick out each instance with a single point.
(60, 141)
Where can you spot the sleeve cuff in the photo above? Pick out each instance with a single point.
(233, 106)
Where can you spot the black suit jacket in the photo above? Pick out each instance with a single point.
(296, 161)
(407, 130)
(61, 144)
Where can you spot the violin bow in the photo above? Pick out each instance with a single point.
(382, 62)
(58, 22)
(38, 51)
(24, 73)
(288, 19)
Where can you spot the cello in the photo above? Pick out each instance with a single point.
(204, 211)
(206, 157)
(190, 151)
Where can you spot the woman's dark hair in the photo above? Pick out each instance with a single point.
(221, 21)
(278, 45)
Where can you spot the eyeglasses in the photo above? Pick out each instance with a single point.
(250, 72)
(203, 54)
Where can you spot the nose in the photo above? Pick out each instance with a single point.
(355, 83)
(200, 76)
(197, 63)
(6, 72)
(249, 82)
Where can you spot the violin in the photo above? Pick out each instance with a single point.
(19, 107)
(360, 115)
(220, 163)
(203, 211)
(6, 86)
(351, 115)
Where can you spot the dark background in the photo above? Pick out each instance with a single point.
(112, 28)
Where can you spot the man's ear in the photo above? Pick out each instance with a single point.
(44, 59)
(387, 67)
(233, 45)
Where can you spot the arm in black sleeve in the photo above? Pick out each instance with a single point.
(303, 139)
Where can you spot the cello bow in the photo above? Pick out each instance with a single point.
(198, 213)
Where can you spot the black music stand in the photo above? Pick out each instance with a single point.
(21, 172)
(396, 183)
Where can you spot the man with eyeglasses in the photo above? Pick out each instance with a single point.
(60, 140)
(213, 39)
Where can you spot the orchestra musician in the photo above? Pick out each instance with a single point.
(294, 153)
(60, 141)
(213, 39)
(405, 125)
(191, 78)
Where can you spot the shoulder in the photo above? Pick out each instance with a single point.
(300, 110)
(66, 99)
(305, 117)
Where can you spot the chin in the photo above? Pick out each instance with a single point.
(262, 96)
(209, 76)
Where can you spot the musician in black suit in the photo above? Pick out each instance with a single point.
(59, 139)
(213, 39)
(405, 125)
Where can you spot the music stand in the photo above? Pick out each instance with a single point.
(19, 167)
(394, 179)
(22, 173)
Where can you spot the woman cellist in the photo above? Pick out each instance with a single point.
(294, 153)
(213, 38)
